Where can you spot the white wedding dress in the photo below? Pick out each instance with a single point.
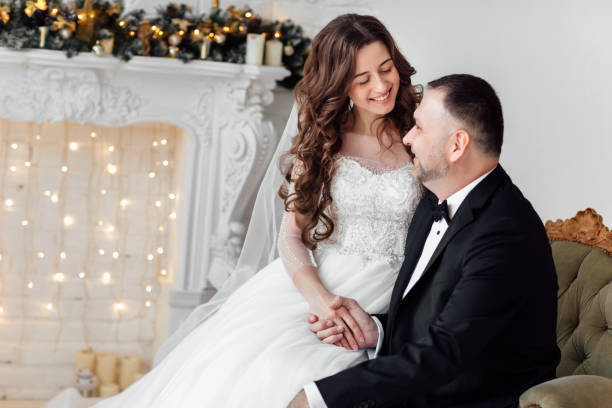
(257, 350)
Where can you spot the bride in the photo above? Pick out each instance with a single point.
(348, 198)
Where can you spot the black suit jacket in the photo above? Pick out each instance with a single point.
(478, 328)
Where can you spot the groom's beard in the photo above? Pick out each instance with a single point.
(434, 167)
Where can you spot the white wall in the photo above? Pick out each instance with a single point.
(549, 61)
(551, 64)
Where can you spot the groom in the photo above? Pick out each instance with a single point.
(472, 316)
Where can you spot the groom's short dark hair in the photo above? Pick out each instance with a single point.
(473, 101)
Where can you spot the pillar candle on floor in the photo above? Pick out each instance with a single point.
(85, 359)
(109, 390)
(129, 366)
(105, 368)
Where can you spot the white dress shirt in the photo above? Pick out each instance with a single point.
(438, 228)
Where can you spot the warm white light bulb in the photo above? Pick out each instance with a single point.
(93, 134)
(30, 285)
(68, 220)
(81, 275)
(165, 163)
(64, 169)
(158, 203)
(160, 228)
(28, 164)
(124, 202)
(41, 255)
(172, 196)
(115, 254)
(110, 228)
(37, 137)
(47, 193)
(149, 288)
(103, 192)
(25, 223)
(54, 198)
(100, 222)
(111, 168)
(152, 174)
(160, 250)
(163, 272)
(49, 306)
(101, 251)
(111, 148)
(119, 306)
(59, 277)
(155, 144)
(150, 257)
(0, 257)
(172, 216)
(1, 309)
(14, 146)
(164, 141)
(63, 255)
(148, 303)
(73, 146)
(9, 203)
(106, 277)
(13, 168)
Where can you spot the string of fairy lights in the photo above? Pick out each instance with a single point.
(84, 208)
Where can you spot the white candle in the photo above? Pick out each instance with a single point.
(108, 390)
(105, 368)
(129, 367)
(85, 359)
(255, 49)
(274, 53)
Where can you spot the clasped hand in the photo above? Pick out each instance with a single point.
(344, 324)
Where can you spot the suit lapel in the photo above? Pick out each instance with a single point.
(465, 214)
(415, 240)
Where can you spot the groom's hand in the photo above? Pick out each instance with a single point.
(328, 333)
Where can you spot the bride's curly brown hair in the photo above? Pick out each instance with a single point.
(322, 96)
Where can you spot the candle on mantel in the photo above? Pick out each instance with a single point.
(255, 49)
(85, 359)
(274, 53)
(129, 367)
(105, 368)
(109, 390)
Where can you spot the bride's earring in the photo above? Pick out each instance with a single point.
(351, 104)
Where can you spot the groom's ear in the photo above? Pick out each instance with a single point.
(460, 140)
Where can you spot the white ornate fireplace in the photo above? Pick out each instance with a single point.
(219, 105)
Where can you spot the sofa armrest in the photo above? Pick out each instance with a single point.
(585, 391)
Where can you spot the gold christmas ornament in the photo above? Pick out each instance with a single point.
(5, 14)
(288, 50)
(97, 49)
(31, 6)
(174, 40)
(65, 33)
(220, 39)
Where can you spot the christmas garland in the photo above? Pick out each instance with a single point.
(101, 27)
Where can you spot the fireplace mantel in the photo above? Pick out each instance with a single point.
(219, 105)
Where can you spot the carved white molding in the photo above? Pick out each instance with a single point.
(220, 106)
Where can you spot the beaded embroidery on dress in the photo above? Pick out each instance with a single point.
(257, 350)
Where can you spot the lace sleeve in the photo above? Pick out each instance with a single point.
(291, 248)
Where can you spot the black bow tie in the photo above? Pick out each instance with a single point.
(440, 211)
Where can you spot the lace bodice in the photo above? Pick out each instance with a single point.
(372, 208)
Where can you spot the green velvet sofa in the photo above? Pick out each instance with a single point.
(582, 248)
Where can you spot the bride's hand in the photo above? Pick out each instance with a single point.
(348, 333)
(326, 332)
